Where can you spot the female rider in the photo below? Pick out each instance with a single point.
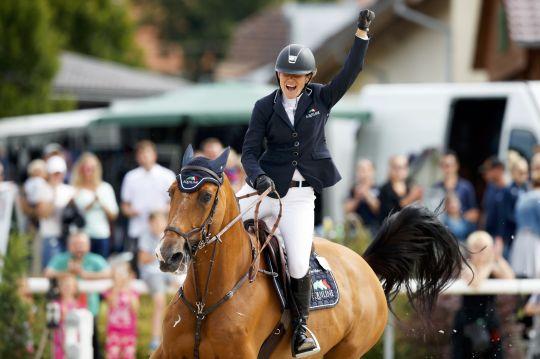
(297, 162)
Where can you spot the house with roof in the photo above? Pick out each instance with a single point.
(413, 40)
(94, 82)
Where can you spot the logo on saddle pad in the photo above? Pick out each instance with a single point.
(322, 290)
(313, 112)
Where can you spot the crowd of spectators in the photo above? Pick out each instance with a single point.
(71, 212)
(501, 231)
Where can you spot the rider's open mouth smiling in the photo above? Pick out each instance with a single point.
(291, 87)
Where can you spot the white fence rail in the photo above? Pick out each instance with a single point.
(489, 286)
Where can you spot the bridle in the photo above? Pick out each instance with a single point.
(200, 308)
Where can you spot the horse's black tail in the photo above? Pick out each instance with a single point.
(413, 245)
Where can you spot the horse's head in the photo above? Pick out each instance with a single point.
(198, 204)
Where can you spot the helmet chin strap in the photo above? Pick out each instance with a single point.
(311, 74)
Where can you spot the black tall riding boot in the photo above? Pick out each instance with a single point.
(301, 345)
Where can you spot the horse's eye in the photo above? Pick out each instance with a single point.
(169, 192)
(206, 197)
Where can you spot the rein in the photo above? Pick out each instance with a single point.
(200, 308)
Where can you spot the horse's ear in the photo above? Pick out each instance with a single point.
(188, 155)
(220, 162)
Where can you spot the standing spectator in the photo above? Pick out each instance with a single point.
(493, 202)
(95, 199)
(123, 304)
(397, 193)
(78, 261)
(525, 254)
(211, 148)
(52, 201)
(462, 188)
(454, 218)
(476, 332)
(363, 199)
(144, 190)
(520, 184)
(69, 300)
(156, 280)
(53, 149)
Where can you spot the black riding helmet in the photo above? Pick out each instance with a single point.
(296, 59)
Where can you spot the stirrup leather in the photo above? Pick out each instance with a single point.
(313, 351)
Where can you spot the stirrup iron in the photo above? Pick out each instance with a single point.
(314, 350)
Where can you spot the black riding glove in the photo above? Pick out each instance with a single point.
(263, 183)
(364, 19)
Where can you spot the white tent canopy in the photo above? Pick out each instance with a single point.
(47, 123)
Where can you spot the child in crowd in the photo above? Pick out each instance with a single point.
(156, 280)
(123, 304)
(37, 180)
(454, 219)
(69, 300)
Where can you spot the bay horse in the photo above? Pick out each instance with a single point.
(232, 313)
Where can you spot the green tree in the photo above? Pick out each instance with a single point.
(100, 28)
(14, 312)
(28, 57)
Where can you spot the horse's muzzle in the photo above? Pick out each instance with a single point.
(172, 257)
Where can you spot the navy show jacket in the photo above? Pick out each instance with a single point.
(302, 146)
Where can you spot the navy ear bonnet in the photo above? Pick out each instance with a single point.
(198, 170)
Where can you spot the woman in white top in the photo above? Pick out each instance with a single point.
(95, 200)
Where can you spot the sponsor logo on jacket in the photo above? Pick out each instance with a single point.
(313, 112)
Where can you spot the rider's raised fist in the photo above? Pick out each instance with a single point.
(364, 19)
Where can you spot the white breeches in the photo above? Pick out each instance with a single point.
(296, 224)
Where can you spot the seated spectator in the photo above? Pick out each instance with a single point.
(520, 184)
(525, 253)
(363, 199)
(96, 201)
(122, 307)
(396, 193)
(476, 332)
(49, 207)
(454, 218)
(462, 188)
(78, 261)
(156, 280)
(69, 300)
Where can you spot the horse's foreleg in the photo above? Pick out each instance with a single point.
(158, 353)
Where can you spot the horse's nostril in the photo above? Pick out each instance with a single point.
(177, 257)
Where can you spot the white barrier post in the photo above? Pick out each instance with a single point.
(388, 341)
(79, 328)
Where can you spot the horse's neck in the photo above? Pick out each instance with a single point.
(232, 260)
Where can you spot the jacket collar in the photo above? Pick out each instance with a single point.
(303, 104)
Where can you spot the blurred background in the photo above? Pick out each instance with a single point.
(447, 105)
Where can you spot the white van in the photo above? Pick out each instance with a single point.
(474, 120)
